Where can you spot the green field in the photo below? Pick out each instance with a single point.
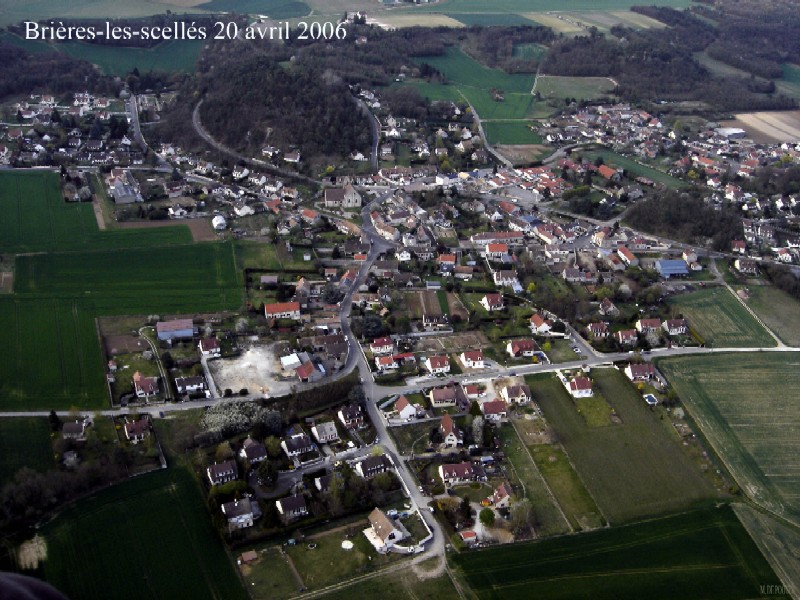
(24, 442)
(510, 132)
(399, 585)
(580, 88)
(641, 470)
(275, 9)
(572, 495)
(36, 219)
(49, 321)
(790, 83)
(179, 55)
(779, 311)
(721, 320)
(524, 6)
(635, 169)
(746, 406)
(491, 19)
(474, 82)
(148, 537)
(702, 554)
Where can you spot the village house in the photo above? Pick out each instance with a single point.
(465, 472)
(472, 359)
(296, 444)
(239, 513)
(179, 329)
(437, 365)
(136, 431)
(597, 330)
(647, 326)
(373, 465)
(607, 308)
(627, 337)
(384, 345)
(382, 532)
(73, 430)
(501, 498)
(640, 372)
(676, 327)
(404, 409)
(145, 387)
(746, 266)
(627, 257)
(516, 394)
(223, 472)
(386, 363)
(346, 197)
(351, 416)
(517, 348)
(580, 387)
(209, 348)
(495, 411)
(539, 326)
(190, 385)
(283, 310)
(325, 433)
(451, 434)
(447, 396)
(292, 507)
(253, 451)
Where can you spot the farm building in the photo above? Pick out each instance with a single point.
(671, 268)
(178, 329)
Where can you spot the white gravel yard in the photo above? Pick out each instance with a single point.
(258, 370)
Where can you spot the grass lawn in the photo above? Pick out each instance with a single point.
(595, 410)
(612, 159)
(632, 469)
(254, 255)
(720, 320)
(24, 442)
(702, 554)
(779, 311)
(510, 132)
(572, 495)
(148, 537)
(746, 405)
(270, 577)
(523, 473)
(178, 55)
(580, 88)
(441, 297)
(560, 351)
(37, 219)
(399, 585)
(413, 437)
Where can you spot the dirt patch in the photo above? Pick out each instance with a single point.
(258, 370)
(472, 340)
(768, 127)
(31, 553)
(98, 213)
(456, 307)
(430, 304)
(6, 282)
(522, 153)
(413, 304)
(124, 344)
(201, 228)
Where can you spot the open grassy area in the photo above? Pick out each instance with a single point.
(523, 472)
(488, 19)
(746, 406)
(510, 132)
(595, 410)
(413, 437)
(37, 219)
(572, 495)
(24, 442)
(632, 469)
(536, 51)
(148, 537)
(253, 255)
(612, 159)
(580, 88)
(473, 81)
(702, 554)
(720, 320)
(779, 311)
(178, 55)
(399, 585)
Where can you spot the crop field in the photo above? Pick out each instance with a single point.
(510, 132)
(770, 127)
(790, 84)
(746, 406)
(642, 471)
(193, 278)
(572, 495)
(37, 219)
(636, 169)
(721, 320)
(24, 442)
(275, 9)
(474, 81)
(397, 19)
(605, 20)
(580, 88)
(526, 6)
(148, 537)
(779, 311)
(53, 358)
(702, 554)
(178, 55)
(491, 19)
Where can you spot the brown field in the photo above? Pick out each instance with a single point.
(767, 127)
(416, 20)
(456, 307)
(519, 154)
(459, 342)
(559, 25)
(6, 282)
(201, 228)
(413, 304)
(430, 303)
(124, 344)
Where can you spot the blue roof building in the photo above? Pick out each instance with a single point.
(671, 268)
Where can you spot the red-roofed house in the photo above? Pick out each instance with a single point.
(145, 387)
(472, 359)
(627, 337)
(451, 434)
(648, 325)
(597, 330)
(539, 326)
(437, 365)
(496, 251)
(461, 473)
(385, 363)
(640, 372)
(495, 411)
(383, 345)
(493, 302)
(627, 257)
(283, 310)
(404, 408)
(517, 348)
(676, 327)
(580, 387)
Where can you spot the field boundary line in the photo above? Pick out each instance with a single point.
(778, 341)
(544, 481)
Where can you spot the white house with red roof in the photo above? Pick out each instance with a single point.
(676, 327)
(384, 345)
(437, 365)
(209, 348)
(539, 325)
(451, 434)
(465, 472)
(640, 372)
(580, 387)
(627, 337)
(648, 325)
(282, 310)
(597, 330)
(404, 409)
(495, 411)
(492, 302)
(385, 363)
(472, 359)
(627, 257)
(517, 348)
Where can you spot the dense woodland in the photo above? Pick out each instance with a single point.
(687, 218)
